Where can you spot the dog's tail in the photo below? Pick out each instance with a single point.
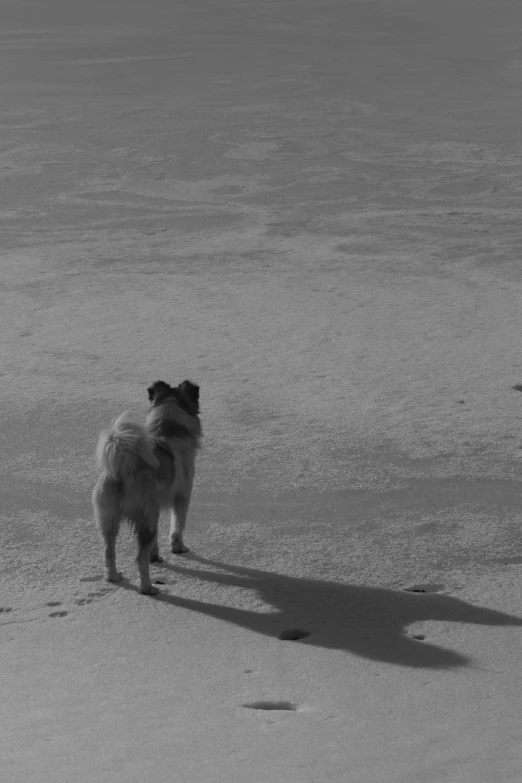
(122, 447)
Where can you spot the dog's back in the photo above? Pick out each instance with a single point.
(165, 472)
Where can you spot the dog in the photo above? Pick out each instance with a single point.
(145, 469)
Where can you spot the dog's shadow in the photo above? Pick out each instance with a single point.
(365, 621)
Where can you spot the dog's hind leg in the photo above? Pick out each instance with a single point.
(146, 533)
(107, 518)
(109, 530)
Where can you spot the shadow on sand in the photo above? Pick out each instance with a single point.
(365, 621)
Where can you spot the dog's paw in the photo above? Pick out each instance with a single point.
(155, 558)
(179, 549)
(149, 590)
(114, 576)
(177, 546)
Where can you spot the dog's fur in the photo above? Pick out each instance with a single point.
(145, 469)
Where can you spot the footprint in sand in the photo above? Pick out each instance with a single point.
(6, 609)
(517, 560)
(428, 588)
(293, 634)
(58, 614)
(271, 705)
(91, 597)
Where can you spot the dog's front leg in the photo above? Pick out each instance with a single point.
(177, 522)
(155, 556)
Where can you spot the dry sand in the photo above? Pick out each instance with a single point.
(313, 210)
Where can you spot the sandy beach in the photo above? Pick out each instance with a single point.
(312, 209)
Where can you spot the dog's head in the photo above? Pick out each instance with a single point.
(186, 395)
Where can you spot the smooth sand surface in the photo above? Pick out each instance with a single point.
(313, 210)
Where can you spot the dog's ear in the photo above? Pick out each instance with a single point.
(190, 392)
(158, 389)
